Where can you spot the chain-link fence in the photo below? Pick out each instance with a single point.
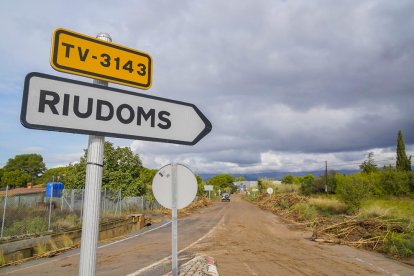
(34, 211)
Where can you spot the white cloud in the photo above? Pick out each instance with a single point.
(32, 149)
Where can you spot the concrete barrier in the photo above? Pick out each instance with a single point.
(19, 249)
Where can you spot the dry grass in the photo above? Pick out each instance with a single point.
(53, 246)
(328, 206)
(198, 203)
(41, 249)
(287, 188)
(66, 241)
(396, 207)
(373, 211)
(2, 258)
(67, 222)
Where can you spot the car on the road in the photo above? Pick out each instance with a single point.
(225, 197)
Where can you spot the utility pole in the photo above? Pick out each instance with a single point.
(326, 177)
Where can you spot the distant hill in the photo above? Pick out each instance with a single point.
(274, 175)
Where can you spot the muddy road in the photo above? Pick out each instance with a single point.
(243, 239)
(250, 241)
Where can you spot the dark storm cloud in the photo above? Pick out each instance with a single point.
(301, 76)
(273, 77)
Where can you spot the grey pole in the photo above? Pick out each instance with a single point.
(91, 205)
(326, 176)
(50, 207)
(174, 225)
(120, 201)
(82, 194)
(61, 201)
(72, 200)
(4, 211)
(104, 201)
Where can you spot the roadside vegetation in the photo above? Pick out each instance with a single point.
(123, 170)
(372, 209)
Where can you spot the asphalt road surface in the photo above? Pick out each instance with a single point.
(243, 239)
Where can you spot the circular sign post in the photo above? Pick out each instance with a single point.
(186, 186)
(270, 191)
(174, 186)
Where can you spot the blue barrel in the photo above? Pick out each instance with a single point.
(57, 188)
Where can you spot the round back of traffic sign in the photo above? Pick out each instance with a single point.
(270, 190)
(186, 186)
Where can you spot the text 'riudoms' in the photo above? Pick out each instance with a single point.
(124, 113)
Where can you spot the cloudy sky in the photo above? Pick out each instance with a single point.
(285, 84)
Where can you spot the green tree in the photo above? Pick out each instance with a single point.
(223, 182)
(264, 183)
(1, 175)
(56, 174)
(298, 179)
(353, 189)
(288, 179)
(121, 171)
(147, 176)
(15, 179)
(200, 186)
(403, 162)
(76, 173)
(32, 164)
(308, 184)
(239, 178)
(369, 166)
(394, 182)
(331, 181)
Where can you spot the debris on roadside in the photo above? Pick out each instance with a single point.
(201, 265)
(198, 203)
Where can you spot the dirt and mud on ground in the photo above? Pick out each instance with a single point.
(380, 234)
(241, 237)
(251, 241)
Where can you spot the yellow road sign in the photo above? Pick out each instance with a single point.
(87, 56)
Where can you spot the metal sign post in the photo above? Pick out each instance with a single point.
(174, 226)
(270, 191)
(174, 187)
(59, 104)
(208, 188)
(92, 200)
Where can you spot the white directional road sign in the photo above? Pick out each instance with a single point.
(59, 104)
(208, 188)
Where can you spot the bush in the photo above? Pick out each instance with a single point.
(264, 183)
(305, 211)
(399, 244)
(283, 203)
(319, 184)
(353, 189)
(288, 179)
(286, 188)
(27, 226)
(67, 222)
(307, 185)
(374, 211)
(394, 182)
